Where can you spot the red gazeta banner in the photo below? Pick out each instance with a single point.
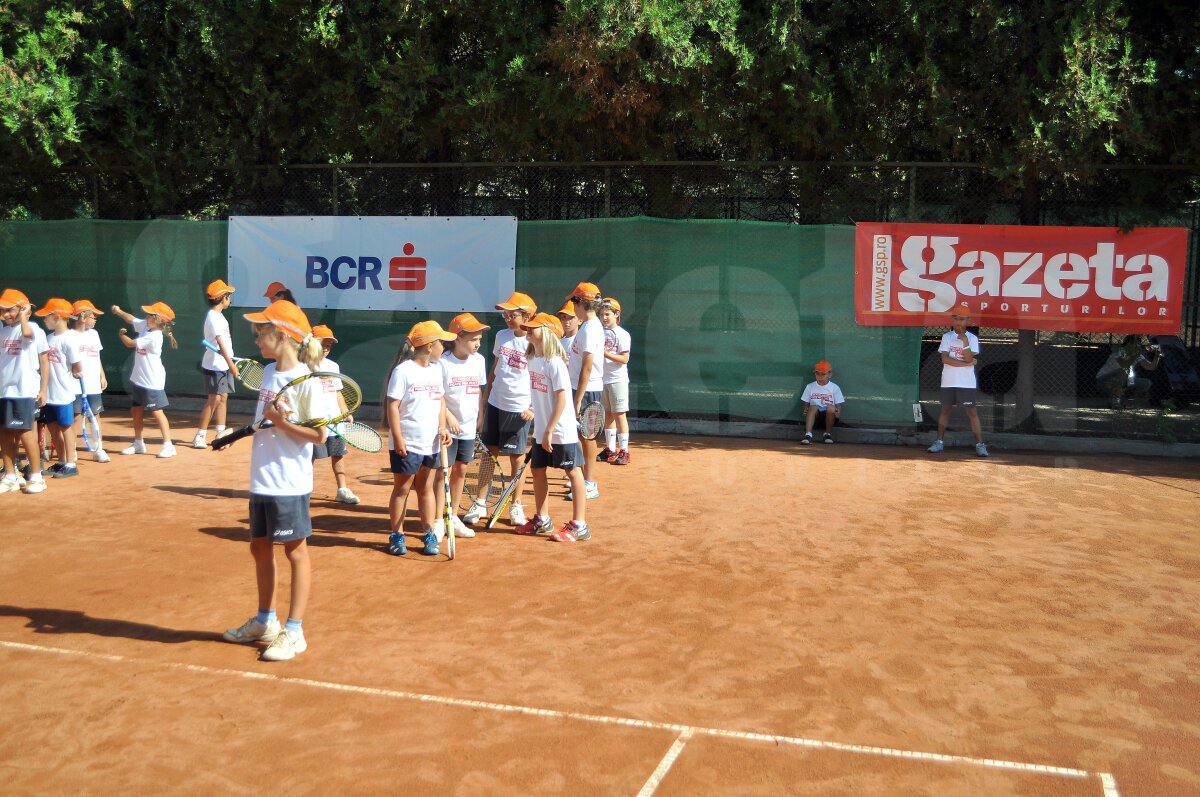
(1072, 279)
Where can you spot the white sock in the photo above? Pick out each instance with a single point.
(218, 430)
(623, 442)
(202, 433)
(610, 439)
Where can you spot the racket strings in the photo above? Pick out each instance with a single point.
(251, 374)
(359, 435)
(591, 421)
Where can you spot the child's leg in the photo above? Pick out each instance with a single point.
(401, 482)
(164, 426)
(829, 419)
(541, 492)
(426, 501)
(65, 442)
(578, 495)
(210, 406)
(622, 431)
(458, 475)
(810, 418)
(297, 554)
(8, 450)
(32, 450)
(264, 571)
(514, 463)
(339, 470)
(220, 410)
(136, 414)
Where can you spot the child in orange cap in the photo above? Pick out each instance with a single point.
(824, 399)
(555, 434)
(570, 324)
(219, 369)
(93, 379)
(334, 447)
(277, 291)
(464, 375)
(58, 413)
(508, 411)
(415, 416)
(616, 385)
(586, 364)
(148, 382)
(23, 354)
(281, 481)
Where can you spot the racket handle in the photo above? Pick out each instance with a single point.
(208, 344)
(227, 440)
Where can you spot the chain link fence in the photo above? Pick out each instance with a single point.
(1067, 398)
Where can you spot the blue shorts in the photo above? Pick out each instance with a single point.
(18, 414)
(217, 383)
(460, 450)
(58, 414)
(333, 446)
(147, 398)
(283, 518)
(564, 456)
(412, 462)
(505, 431)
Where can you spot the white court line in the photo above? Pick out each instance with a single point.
(665, 765)
(506, 708)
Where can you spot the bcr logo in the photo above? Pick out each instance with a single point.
(407, 273)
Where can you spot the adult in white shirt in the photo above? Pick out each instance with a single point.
(220, 372)
(960, 351)
(24, 377)
(585, 363)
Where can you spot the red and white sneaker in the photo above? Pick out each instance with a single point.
(604, 454)
(572, 532)
(622, 458)
(536, 525)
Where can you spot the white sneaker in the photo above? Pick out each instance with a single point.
(10, 483)
(439, 529)
(591, 490)
(461, 530)
(37, 485)
(345, 495)
(101, 455)
(167, 451)
(138, 447)
(287, 645)
(475, 513)
(253, 631)
(517, 515)
(198, 441)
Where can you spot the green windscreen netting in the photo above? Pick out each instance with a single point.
(727, 317)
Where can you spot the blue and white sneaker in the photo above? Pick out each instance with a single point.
(431, 544)
(981, 449)
(937, 447)
(396, 546)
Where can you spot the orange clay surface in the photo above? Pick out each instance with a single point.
(903, 622)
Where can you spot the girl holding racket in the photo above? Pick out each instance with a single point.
(220, 371)
(556, 441)
(586, 364)
(94, 380)
(58, 412)
(415, 416)
(281, 481)
(24, 374)
(334, 447)
(616, 385)
(147, 388)
(464, 374)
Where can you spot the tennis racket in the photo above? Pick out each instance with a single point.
(483, 480)
(591, 420)
(91, 424)
(250, 372)
(314, 400)
(507, 496)
(447, 510)
(359, 435)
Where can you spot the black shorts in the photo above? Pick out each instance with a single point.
(957, 396)
(460, 450)
(147, 398)
(333, 446)
(564, 456)
(95, 401)
(218, 383)
(18, 414)
(505, 431)
(283, 518)
(411, 462)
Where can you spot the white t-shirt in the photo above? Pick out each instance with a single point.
(216, 326)
(62, 352)
(510, 379)
(148, 371)
(331, 387)
(279, 463)
(616, 341)
(20, 370)
(957, 376)
(826, 395)
(419, 391)
(589, 338)
(546, 378)
(463, 381)
(567, 343)
(89, 352)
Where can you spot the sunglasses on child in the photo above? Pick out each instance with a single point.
(822, 373)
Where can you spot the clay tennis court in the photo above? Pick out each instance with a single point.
(751, 617)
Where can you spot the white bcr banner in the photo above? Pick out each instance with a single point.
(424, 263)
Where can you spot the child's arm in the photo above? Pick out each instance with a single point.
(305, 434)
(44, 363)
(393, 414)
(617, 356)
(125, 339)
(444, 417)
(23, 315)
(560, 406)
(103, 379)
(124, 316)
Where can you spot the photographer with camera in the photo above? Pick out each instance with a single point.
(1118, 377)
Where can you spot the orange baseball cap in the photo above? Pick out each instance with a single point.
(545, 320)
(613, 303)
(823, 365)
(585, 290)
(274, 288)
(13, 298)
(85, 305)
(427, 332)
(285, 315)
(519, 301)
(218, 288)
(323, 332)
(962, 308)
(160, 309)
(466, 322)
(59, 307)
(567, 309)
